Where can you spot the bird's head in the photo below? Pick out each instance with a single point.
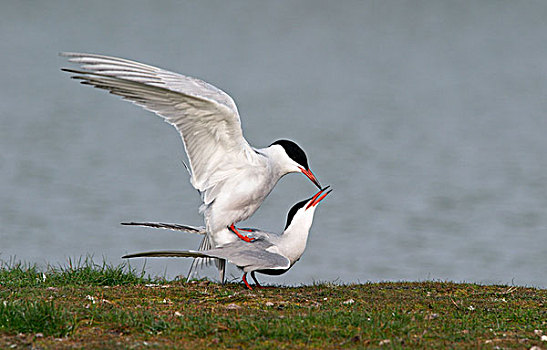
(293, 159)
(301, 214)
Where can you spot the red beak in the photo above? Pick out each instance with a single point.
(318, 197)
(310, 176)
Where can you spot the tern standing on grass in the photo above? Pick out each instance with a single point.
(268, 253)
(232, 177)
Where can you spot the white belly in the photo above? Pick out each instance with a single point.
(237, 198)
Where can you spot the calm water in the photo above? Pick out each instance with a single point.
(428, 120)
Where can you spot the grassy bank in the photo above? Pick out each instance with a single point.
(90, 306)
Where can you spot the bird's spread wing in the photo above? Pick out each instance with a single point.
(205, 116)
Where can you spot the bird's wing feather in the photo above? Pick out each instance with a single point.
(253, 256)
(176, 227)
(248, 257)
(205, 116)
(168, 254)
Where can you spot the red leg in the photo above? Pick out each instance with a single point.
(245, 238)
(245, 281)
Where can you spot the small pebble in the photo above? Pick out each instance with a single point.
(233, 307)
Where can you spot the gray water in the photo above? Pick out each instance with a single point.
(427, 118)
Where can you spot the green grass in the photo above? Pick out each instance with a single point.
(34, 317)
(86, 305)
(82, 272)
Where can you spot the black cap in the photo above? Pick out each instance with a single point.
(293, 211)
(294, 152)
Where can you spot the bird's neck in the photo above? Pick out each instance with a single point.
(295, 237)
(277, 160)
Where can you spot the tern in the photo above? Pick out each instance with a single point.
(268, 253)
(232, 177)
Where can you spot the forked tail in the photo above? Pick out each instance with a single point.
(201, 262)
(198, 262)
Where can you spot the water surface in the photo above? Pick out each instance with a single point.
(427, 118)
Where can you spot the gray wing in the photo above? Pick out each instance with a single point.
(200, 230)
(206, 117)
(247, 256)
(251, 256)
